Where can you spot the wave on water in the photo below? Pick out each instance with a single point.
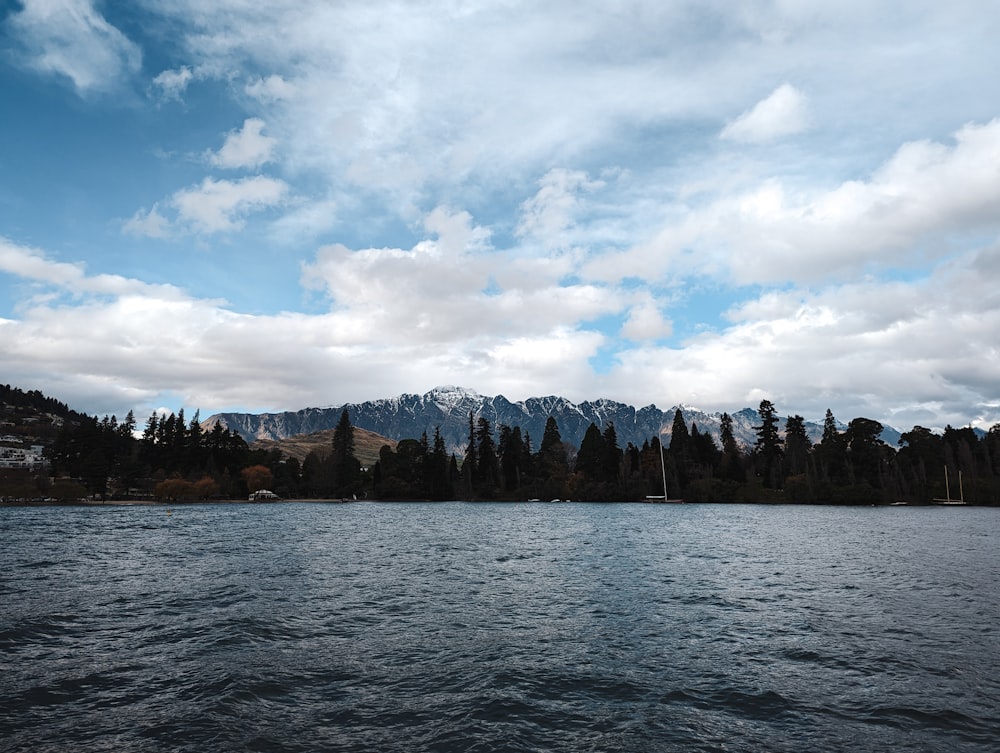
(498, 628)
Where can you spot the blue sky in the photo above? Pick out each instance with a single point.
(232, 206)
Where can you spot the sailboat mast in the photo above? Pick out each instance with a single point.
(663, 471)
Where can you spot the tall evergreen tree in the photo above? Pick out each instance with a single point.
(438, 473)
(679, 435)
(511, 451)
(488, 470)
(797, 445)
(831, 452)
(346, 468)
(611, 460)
(590, 457)
(768, 449)
(552, 465)
(703, 449)
(679, 454)
(731, 464)
(470, 462)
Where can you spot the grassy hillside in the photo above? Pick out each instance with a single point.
(366, 445)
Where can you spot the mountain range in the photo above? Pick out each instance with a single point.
(448, 408)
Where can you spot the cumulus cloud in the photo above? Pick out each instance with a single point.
(274, 88)
(70, 38)
(516, 282)
(246, 148)
(784, 112)
(149, 223)
(221, 205)
(213, 206)
(554, 208)
(906, 353)
(897, 352)
(35, 266)
(914, 208)
(450, 287)
(172, 84)
(438, 328)
(646, 322)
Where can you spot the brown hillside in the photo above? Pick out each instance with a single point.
(366, 445)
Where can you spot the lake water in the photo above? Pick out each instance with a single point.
(499, 627)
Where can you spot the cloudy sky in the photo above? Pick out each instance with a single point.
(266, 206)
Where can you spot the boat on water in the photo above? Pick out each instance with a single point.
(948, 500)
(663, 498)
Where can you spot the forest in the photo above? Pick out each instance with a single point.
(173, 458)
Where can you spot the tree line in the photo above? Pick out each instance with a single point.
(853, 466)
(173, 458)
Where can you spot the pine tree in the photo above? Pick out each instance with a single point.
(679, 436)
(797, 445)
(552, 466)
(611, 461)
(831, 452)
(488, 470)
(679, 453)
(345, 465)
(470, 462)
(768, 449)
(590, 457)
(726, 435)
(438, 472)
(511, 450)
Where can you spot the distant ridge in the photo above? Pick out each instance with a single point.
(408, 416)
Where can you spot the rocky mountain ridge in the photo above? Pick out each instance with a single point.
(409, 415)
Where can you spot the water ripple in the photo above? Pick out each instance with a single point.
(459, 627)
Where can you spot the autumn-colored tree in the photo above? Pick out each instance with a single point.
(205, 487)
(257, 477)
(174, 488)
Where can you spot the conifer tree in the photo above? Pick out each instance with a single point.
(590, 457)
(768, 449)
(345, 465)
(679, 435)
(611, 459)
(488, 470)
(511, 450)
(797, 445)
(552, 465)
(831, 452)
(470, 462)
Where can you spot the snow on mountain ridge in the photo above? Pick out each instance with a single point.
(447, 408)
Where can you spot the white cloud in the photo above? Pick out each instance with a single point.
(246, 148)
(646, 322)
(274, 88)
(34, 265)
(173, 83)
(221, 205)
(70, 38)
(148, 223)
(383, 109)
(886, 350)
(442, 289)
(553, 209)
(925, 201)
(784, 112)
(213, 206)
